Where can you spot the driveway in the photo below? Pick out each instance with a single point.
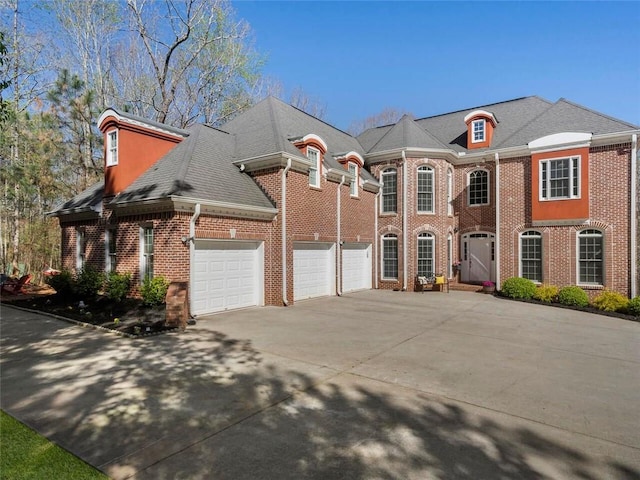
(374, 384)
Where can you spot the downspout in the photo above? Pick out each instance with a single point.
(376, 258)
(405, 221)
(339, 245)
(497, 240)
(283, 202)
(633, 213)
(192, 249)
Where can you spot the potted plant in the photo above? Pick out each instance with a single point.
(456, 266)
(488, 286)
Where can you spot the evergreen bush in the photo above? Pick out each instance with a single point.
(573, 296)
(63, 284)
(154, 291)
(634, 306)
(546, 293)
(117, 286)
(611, 301)
(517, 287)
(89, 282)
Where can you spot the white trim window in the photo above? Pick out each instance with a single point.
(449, 192)
(531, 255)
(426, 263)
(590, 257)
(110, 249)
(81, 248)
(390, 257)
(389, 197)
(560, 178)
(146, 252)
(314, 171)
(425, 190)
(478, 187)
(478, 129)
(112, 148)
(353, 170)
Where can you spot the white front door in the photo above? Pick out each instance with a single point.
(226, 275)
(356, 267)
(478, 257)
(314, 270)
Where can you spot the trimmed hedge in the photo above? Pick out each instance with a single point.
(611, 301)
(154, 291)
(634, 306)
(517, 287)
(546, 293)
(574, 296)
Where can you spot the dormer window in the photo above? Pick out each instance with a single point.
(314, 171)
(353, 170)
(478, 128)
(112, 148)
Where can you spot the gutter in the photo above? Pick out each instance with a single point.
(339, 243)
(497, 238)
(375, 238)
(285, 302)
(633, 214)
(405, 221)
(192, 250)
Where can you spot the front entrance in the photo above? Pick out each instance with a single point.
(478, 257)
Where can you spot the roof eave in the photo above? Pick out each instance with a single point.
(224, 209)
(273, 160)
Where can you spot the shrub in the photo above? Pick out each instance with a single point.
(610, 301)
(89, 281)
(574, 296)
(546, 293)
(63, 283)
(634, 306)
(154, 290)
(117, 286)
(517, 287)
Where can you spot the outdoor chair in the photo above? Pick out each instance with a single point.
(15, 287)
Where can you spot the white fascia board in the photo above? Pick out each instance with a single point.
(110, 112)
(271, 160)
(335, 175)
(617, 137)
(411, 152)
(224, 209)
(371, 186)
(480, 113)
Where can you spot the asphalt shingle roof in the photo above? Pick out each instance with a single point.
(406, 133)
(87, 200)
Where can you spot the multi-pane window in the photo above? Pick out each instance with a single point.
(389, 191)
(560, 178)
(425, 255)
(390, 257)
(112, 148)
(314, 171)
(81, 248)
(590, 257)
(531, 255)
(353, 170)
(146, 253)
(425, 189)
(449, 192)
(478, 189)
(478, 131)
(110, 250)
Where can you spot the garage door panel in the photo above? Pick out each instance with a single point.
(313, 270)
(226, 275)
(356, 267)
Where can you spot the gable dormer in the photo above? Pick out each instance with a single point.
(314, 148)
(480, 126)
(131, 146)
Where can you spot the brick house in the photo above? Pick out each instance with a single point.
(277, 206)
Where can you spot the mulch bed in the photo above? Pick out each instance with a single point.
(128, 317)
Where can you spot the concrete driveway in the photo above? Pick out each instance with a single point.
(372, 385)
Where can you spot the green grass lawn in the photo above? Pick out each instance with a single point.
(24, 454)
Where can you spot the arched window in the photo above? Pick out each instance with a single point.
(590, 257)
(426, 264)
(389, 197)
(390, 257)
(478, 187)
(425, 189)
(531, 255)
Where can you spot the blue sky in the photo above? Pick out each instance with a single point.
(431, 57)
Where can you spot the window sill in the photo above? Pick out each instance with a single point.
(389, 214)
(478, 205)
(313, 187)
(426, 213)
(558, 199)
(590, 286)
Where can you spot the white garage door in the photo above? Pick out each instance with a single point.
(227, 275)
(314, 270)
(356, 266)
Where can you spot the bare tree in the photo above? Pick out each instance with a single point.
(387, 116)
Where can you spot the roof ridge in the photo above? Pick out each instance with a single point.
(188, 154)
(551, 105)
(277, 133)
(483, 106)
(577, 105)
